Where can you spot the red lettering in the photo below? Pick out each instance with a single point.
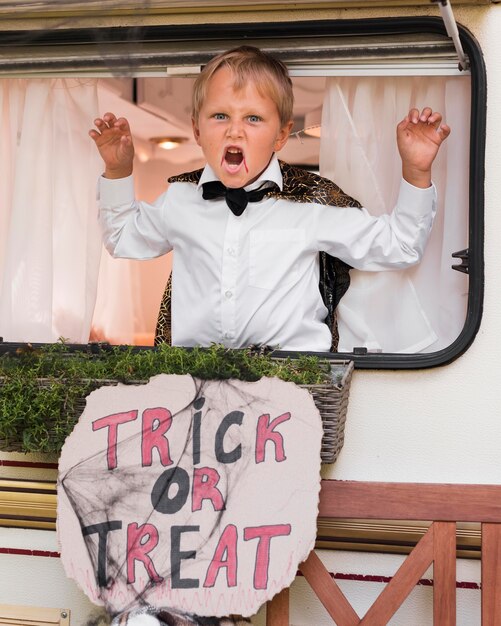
(156, 422)
(141, 540)
(205, 480)
(264, 534)
(225, 555)
(266, 432)
(112, 422)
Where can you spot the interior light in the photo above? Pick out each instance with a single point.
(312, 122)
(168, 143)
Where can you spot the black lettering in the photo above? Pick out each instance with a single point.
(102, 529)
(176, 556)
(197, 423)
(235, 417)
(160, 498)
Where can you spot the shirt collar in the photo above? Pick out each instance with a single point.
(272, 173)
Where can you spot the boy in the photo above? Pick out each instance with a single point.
(243, 274)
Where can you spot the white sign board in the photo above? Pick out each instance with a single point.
(195, 495)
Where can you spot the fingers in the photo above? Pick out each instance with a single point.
(109, 122)
(428, 117)
(444, 131)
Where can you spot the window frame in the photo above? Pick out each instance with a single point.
(17, 41)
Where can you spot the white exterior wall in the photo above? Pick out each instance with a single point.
(39, 580)
(436, 425)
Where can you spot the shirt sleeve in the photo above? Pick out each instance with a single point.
(395, 240)
(131, 229)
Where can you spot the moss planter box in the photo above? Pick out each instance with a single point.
(42, 392)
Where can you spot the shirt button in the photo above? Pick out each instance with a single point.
(228, 294)
(230, 251)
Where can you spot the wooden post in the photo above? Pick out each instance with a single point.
(491, 574)
(404, 581)
(444, 574)
(277, 609)
(327, 591)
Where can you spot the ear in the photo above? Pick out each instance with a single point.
(283, 135)
(196, 130)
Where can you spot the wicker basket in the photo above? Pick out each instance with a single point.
(332, 402)
(330, 399)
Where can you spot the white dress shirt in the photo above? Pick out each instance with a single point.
(254, 279)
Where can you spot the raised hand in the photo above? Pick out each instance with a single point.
(114, 142)
(419, 137)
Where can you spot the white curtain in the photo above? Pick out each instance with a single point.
(50, 243)
(129, 291)
(422, 308)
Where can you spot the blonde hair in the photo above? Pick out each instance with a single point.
(269, 75)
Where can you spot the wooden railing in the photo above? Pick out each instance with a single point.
(443, 505)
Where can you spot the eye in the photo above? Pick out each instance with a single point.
(219, 116)
(254, 118)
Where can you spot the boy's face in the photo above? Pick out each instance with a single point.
(238, 131)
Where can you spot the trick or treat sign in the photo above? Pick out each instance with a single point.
(195, 495)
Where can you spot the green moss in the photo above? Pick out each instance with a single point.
(42, 391)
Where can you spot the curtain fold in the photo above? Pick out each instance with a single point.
(50, 242)
(422, 308)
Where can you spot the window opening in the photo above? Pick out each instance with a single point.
(318, 60)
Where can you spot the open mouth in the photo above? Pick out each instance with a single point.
(233, 158)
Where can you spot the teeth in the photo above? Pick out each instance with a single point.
(234, 151)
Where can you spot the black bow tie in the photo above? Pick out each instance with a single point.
(236, 199)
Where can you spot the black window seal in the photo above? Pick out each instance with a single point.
(326, 28)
